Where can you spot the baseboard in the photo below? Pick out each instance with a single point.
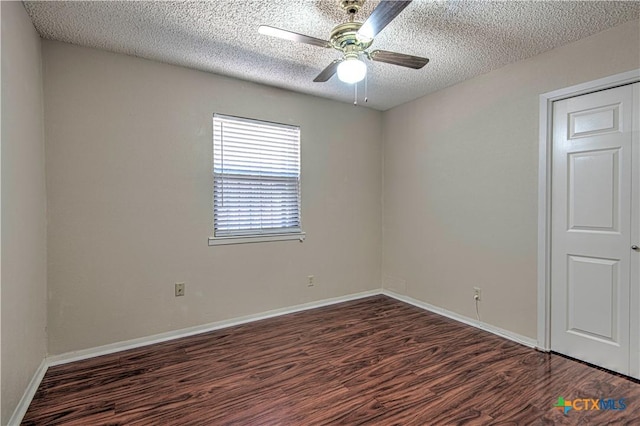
(29, 393)
(523, 340)
(185, 332)
(66, 358)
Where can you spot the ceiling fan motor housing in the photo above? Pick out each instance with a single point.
(343, 37)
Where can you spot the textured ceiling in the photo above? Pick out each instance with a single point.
(462, 38)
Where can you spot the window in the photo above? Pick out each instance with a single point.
(256, 181)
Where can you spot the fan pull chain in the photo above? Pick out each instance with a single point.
(366, 99)
(355, 96)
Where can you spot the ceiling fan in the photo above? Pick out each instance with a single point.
(353, 38)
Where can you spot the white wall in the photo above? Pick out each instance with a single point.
(129, 148)
(460, 181)
(23, 207)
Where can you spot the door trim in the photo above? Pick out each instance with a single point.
(544, 190)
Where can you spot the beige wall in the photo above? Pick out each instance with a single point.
(129, 195)
(460, 181)
(23, 207)
(129, 147)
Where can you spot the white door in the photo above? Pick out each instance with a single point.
(591, 248)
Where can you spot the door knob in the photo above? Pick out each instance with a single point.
(635, 247)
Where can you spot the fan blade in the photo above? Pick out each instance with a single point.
(409, 61)
(384, 13)
(289, 35)
(328, 72)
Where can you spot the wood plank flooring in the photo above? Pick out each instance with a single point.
(370, 361)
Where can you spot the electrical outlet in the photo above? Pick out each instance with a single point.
(310, 281)
(179, 289)
(477, 293)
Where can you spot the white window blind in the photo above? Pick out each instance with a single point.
(256, 169)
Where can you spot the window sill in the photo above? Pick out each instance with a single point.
(300, 236)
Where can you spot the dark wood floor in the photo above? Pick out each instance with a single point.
(371, 361)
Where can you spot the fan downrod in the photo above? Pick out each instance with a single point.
(351, 6)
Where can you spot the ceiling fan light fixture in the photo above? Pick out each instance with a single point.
(352, 70)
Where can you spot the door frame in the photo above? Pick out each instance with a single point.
(544, 204)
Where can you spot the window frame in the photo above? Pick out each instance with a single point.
(242, 237)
